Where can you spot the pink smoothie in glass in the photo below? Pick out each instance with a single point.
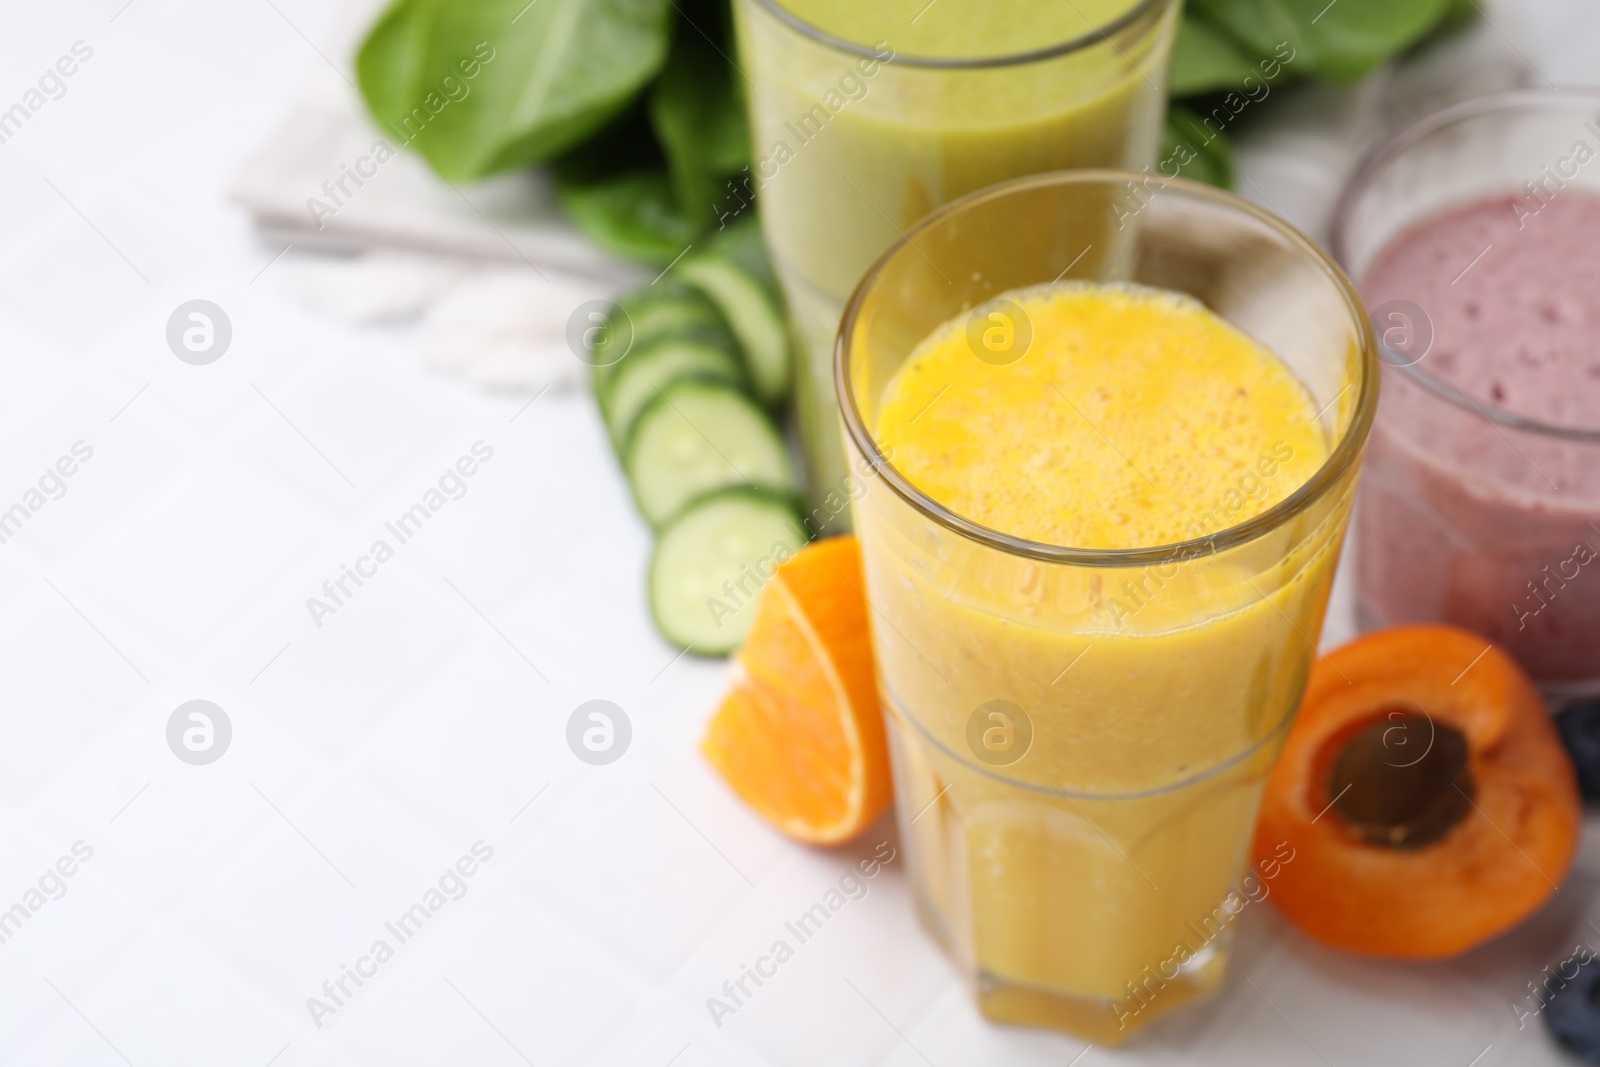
(1480, 502)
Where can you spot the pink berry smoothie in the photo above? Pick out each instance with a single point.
(1480, 503)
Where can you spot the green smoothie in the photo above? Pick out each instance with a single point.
(867, 114)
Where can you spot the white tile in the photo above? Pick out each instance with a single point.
(505, 987)
(16, 579)
(332, 684)
(72, 285)
(557, 447)
(64, 682)
(149, 60)
(330, 872)
(492, 541)
(661, 1034)
(828, 1003)
(952, 1031)
(677, 858)
(477, 744)
(111, 464)
(77, 924)
(33, 206)
(1287, 999)
(354, 441)
(194, 556)
(163, 827)
(574, 606)
(29, 361)
(269, 353)
(550, 532)
(166, 1003)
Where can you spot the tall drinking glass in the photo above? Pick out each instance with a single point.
(1077, 785)
(868, 114)
(1471, 513)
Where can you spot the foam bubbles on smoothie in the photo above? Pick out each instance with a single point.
(1137, 418)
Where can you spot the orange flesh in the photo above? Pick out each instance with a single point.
(1493, 868)
(800, 735)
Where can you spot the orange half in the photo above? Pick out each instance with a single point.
(800, 734)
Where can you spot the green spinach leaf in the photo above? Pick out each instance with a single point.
(697, 113)
(389, 65)
(479, 86)
(1204, 59)
(633, 214)
(1201, 155)
(1342, 40)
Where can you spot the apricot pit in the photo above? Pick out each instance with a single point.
(1426, 794)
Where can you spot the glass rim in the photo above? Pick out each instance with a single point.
(1405, 138)
(1341, 458)
(1074, 44)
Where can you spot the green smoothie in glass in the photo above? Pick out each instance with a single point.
(868, 114)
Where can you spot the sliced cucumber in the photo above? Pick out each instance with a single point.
(755, 316)
(742, 242)
(668, 308)
(644, 374)
(711, 562)
(699, 436)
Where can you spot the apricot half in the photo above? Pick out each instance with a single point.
(1425, 793)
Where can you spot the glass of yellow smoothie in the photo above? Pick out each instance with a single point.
(868, 114)
(1118, 423)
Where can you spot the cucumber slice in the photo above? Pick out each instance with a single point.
(641, 318)
(755, 316)
(700, 436)
(642, 375)
(742, 242)
(711, 562)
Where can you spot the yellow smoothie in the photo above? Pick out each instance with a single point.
(850, 149)
(1132, 410)
(1079, 751)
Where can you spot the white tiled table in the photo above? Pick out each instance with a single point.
(428, 713)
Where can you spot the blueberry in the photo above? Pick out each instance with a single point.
(1573, 1014)
(1580, 731)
